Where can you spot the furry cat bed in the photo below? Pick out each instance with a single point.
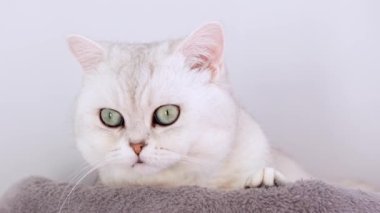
(43, 195)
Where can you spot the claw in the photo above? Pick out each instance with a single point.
(266, 177)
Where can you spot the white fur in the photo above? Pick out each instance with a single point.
(214, 143)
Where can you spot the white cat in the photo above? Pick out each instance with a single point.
(163, 114)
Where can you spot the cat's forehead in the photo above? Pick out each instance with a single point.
(139, 74)
(135, 58)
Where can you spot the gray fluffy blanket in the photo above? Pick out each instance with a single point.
(43, 195)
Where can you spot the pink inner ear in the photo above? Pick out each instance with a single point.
(204, 48)
(88, 53)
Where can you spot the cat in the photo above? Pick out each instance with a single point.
(163, 114)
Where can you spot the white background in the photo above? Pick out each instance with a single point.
(309, 71)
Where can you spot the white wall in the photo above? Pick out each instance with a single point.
(308, 70)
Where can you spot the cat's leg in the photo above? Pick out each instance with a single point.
(265, 177)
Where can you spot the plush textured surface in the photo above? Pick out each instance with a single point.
(43, 195)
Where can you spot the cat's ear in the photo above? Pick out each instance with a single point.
(203, 49)
(88, 53)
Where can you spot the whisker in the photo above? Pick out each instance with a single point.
(75, 185)
(98, 165)
(79, 171)
(192, 160)
(84, 168)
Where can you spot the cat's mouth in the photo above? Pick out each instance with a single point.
(138, 162)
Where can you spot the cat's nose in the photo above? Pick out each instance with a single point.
(137, 147)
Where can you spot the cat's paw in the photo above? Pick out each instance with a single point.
(265, 177)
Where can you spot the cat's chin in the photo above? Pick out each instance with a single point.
(144, 169)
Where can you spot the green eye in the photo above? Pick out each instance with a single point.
(166, 115)
(111, 118)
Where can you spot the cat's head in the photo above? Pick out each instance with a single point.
(154, 108)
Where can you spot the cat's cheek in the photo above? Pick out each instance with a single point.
(179, 140)
(157, 164)
(90, 152)
(125, 156)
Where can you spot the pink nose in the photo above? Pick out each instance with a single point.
(137, 147)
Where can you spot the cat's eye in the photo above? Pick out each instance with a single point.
(166, 115)
(111, 118)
